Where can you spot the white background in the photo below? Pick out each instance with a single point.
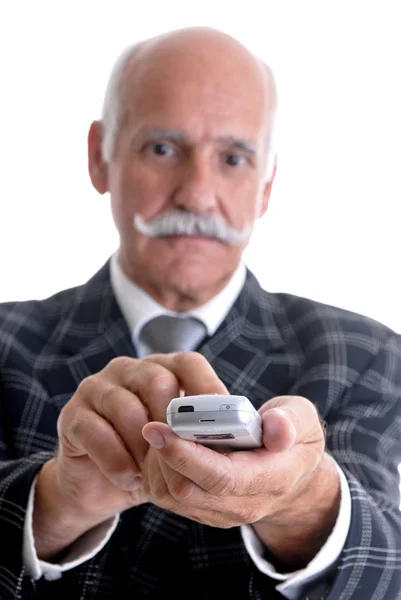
(333, 228)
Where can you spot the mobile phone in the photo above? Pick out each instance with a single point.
(216, 420)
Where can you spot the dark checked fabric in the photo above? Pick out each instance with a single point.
(269, 344)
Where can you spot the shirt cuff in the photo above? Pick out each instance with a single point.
(84, 548)
(320, 565)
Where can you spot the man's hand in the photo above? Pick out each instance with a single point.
(97, 470)
(289, 489)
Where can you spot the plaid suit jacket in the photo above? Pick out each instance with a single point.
(269, 344)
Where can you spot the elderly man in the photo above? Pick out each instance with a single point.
(99, 498)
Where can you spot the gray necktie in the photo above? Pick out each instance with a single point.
(172, 334)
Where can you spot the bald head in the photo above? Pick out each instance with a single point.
(213, 60)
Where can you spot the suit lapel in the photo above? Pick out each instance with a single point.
(89, 332)
(248, 344)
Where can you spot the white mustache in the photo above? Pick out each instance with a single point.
(179, 222)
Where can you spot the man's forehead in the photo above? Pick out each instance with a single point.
(184, 82)
(191, 109)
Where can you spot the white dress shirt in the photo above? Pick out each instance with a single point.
(138, 308)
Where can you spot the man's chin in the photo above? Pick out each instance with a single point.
(198, 282)
(189, 283)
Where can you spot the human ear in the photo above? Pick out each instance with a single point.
(97, 166)
(267, 192)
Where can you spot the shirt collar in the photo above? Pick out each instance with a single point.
(138, 307)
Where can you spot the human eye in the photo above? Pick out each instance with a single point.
(161, 149)
(234, 159)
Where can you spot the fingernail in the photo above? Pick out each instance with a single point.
(155, 439)
(274, 427)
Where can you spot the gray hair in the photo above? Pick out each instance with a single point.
(112, 111)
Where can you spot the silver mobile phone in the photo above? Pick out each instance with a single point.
(216, 420)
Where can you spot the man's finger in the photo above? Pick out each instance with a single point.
(122, 409)
(290, 420)
(194, 373)
(91, 435)
(279, 433)
(152, 382)
(209, 470)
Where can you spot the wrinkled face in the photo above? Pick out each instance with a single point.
(193, 138)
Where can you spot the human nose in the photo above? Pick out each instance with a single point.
(196, 190)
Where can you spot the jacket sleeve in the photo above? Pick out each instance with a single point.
(364, 436)
(16, 477)
(17, 473)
